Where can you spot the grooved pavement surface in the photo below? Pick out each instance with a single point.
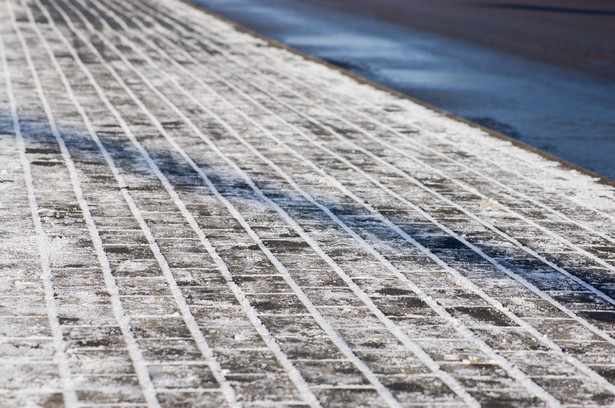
(192, 217)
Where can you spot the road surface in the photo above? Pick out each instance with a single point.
(194, 217)
(570, 33)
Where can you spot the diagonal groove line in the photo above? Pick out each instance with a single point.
(466, 283)
(487, 224)
(515, 372)
(444, 228)
(60, 358)
(118, 311)
(187, 316)
(434, 151)
(269, 340)
(383, 391)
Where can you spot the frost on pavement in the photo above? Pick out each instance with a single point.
(194, 217)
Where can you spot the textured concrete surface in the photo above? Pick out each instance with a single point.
(192, 217)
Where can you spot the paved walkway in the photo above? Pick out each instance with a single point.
(192, 217)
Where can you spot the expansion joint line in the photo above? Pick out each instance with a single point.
(60, 357)
(187, 316)
(118, 311)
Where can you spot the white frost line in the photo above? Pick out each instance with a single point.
(511, 369)
(466, 283)
(187, 316)
(135, 354)
(434, 151)
(269, 340)
(60, 357)
(335, 338)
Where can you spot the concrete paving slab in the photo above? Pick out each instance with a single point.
(193, 216)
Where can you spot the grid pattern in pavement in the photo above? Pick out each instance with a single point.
(193, 217)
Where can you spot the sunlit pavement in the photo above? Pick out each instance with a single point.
(193, 217)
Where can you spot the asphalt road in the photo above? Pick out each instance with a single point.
(570, 33)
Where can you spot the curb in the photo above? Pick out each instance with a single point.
(600, 179)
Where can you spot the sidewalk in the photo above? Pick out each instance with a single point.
(194, 217)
